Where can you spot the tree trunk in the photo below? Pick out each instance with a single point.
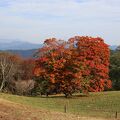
(2, 85)
(68, 95)
(46, 94)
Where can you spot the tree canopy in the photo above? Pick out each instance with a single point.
(79, 64)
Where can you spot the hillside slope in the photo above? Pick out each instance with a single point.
(97, 106)
(13, 111)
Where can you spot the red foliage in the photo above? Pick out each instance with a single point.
(94, 54)
(79, 64)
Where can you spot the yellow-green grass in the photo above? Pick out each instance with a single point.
(102, 104)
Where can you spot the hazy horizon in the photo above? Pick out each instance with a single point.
(36, 20)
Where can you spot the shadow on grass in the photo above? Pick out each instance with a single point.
(74, 96)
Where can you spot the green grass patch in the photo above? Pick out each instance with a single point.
(102, 104)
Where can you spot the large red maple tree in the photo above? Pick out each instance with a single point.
(81, 63)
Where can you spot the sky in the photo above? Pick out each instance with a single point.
(36, 20)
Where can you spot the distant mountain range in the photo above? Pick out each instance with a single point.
(24, 53)
(25, 49)
(21, 45)
(18, 45)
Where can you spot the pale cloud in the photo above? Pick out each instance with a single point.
(36, 20)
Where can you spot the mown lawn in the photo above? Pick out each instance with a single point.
(102, 104)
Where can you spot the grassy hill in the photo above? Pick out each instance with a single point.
(97, 105)
(14, 111)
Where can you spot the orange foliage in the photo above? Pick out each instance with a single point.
(81, 63)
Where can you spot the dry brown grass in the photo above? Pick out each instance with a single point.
(13, 111)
